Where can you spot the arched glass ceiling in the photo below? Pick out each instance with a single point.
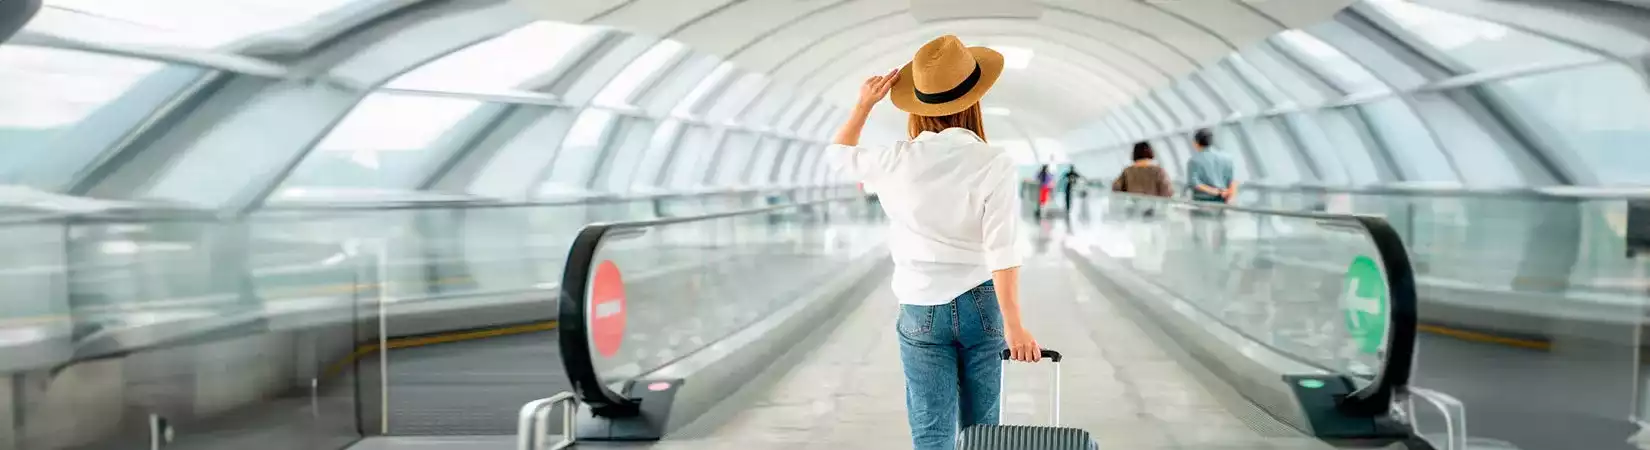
(1502, 105)
(505, 58)
(383, 143)
(183, 23)
(1478, 44)
(439, 99)
(621, 88)
(1346, 74)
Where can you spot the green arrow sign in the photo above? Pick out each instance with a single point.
(1364, 299)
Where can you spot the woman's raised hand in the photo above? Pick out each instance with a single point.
(876, 87)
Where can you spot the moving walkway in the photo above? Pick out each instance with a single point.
(716, 307)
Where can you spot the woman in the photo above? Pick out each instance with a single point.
(1144, 177)
(1045, 187)
(952, 202)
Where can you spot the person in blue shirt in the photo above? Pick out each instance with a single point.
(1210, 172)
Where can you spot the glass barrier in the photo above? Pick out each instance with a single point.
(1521, 292)
(660, 291)
(212, 325)
(1314, 288)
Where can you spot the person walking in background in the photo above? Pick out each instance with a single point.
(1144, 176)
(1210, 171)
(1073, 183)
(1045, 188)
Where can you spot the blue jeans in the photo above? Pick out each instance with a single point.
(952, 355)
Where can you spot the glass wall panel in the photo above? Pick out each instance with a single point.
(805, 169)
(1164, 156)
(1601, 113)
(787, 164)
(1482, 157)
(1285, 75)
(736, 97)
(734, 157)
(1207, 110)
(63, 108)
(622, 89)
(1277, 160)
(1148, 128)
(760, 172)
(1118, 134)
(658, 151)
(627, 153)
(1347, 133)
(520, 163)
(1132, 131)
(1341, 70)
(1181, 146)
(1176, 106)
(1316, 144)
(498, 63)
(1237, 96)
(1401, 132)
(690, 104)
(1157, 113)
(575, 162)
(1270, 95)
(1228, 141)
(692, 158)
(1478, 44)
(382, 143)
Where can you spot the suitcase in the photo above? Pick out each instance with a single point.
(1029, 437)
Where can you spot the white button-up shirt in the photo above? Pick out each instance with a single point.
(952, 203)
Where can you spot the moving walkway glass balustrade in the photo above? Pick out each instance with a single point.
(280, 305)
(662, 292)
(1311, 288)
(1520, 291)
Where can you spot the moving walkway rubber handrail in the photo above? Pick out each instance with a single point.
(169, 213)
(1544, 193)
(1404, 310)
(573, 307)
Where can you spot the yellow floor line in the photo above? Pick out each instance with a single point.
(420, 341)
(1475, 336)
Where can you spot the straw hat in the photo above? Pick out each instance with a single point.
(945, 77)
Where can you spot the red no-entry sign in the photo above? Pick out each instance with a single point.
(607, 309)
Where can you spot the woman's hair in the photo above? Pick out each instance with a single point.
(1143, 150)
(968, 119)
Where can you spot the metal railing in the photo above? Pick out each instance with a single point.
(534, 421)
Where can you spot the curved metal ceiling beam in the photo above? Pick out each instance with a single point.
(812, 84)
(1194, 24)
(702, 16)
(791, 56)
(861, 45)
(1083, 76)
(1155, 38)
(765, 34)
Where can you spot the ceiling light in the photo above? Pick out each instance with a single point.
(1014, 57)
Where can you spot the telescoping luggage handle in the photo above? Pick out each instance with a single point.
(1054, 401)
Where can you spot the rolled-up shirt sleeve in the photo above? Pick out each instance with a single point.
(1000, 222)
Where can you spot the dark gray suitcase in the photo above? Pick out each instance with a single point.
(1029, 437)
